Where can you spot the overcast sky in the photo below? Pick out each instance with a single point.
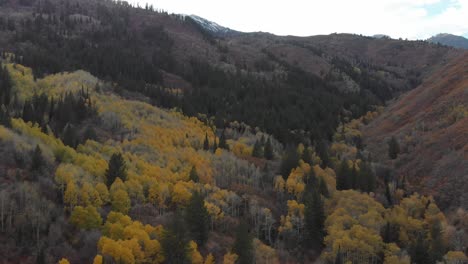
(412, 19)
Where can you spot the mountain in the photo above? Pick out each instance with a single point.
(430, 123)
(142, 50)
(450, 40)
(212, 27)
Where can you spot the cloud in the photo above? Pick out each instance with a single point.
(412, 19)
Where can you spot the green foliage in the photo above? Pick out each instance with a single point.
(290, 161)
(193, 176)
(197, 219)
(37, 160)
(268, 151)
(257, 150)
(86, 217)
(6, 88)
(243, 245)
(314, 217)
(222, 141)
(206, 143)
(174, 241)
(393, 148)
(117, 169)
(342, 176)
(5, 118)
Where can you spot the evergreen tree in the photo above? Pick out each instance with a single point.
(243, 245)
(69, 136)
(354, 178)
(37, 161)
(197, 219)
(290, 161)
(5, 86)
(268, 151)
(342, 177)
(419, 252)
(323, 187)
(215, 145)
(174, 241)
(206, 143)
(5, 119)
(393, 148)
(193, 176)
(222, 141)
(90, 134)
(314, 218)
(322, 152)
(117, 169)
(366, 178)
(257, 150)
(307, 155)
(437, 246)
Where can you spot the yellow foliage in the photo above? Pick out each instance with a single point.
(120, 201)
(97, 259)
(230, 258)
(195, 256)
(455, 257)
(210, 259)
(265, 254)
(64, 261)
(181, 193)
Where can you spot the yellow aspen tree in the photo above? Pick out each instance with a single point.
(97, 259)
(71, 194)
(210, 259)
(64, 261)
(120, 201)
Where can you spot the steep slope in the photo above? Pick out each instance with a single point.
(450, 40)
(431, 125)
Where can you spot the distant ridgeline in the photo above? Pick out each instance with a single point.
(255, 78)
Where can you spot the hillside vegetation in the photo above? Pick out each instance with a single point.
(137, 184)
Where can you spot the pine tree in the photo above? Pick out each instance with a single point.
(117, 169)
(354, 178)
(419, 252)
(37, 161)
(322, 152)
(268, 151)
(69, 136)
(174, 241)
(307, 155)
(323, 187)
(342, 177)
(243, 245)
(257, 150)
(393, 148)
(5, 86)
(215, 145)
(290, 161)
(314, 218)
(197, 219)
(206, 143)
(193, 176)
(5, 119)
(222, 141)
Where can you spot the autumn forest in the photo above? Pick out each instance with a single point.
(114, 151)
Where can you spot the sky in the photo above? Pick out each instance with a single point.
(407, 19)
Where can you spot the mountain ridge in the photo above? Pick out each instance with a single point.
(450, 40)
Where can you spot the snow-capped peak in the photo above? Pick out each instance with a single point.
(211, 26)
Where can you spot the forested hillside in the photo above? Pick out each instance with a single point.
(278, 78)
(124, 181)
(129, 135)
